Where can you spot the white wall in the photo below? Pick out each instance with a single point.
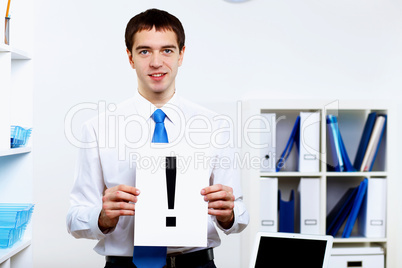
(276, 49)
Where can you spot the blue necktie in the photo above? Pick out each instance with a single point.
(160, 134)
(146, 256)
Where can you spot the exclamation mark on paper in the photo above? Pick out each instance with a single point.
(171, 187)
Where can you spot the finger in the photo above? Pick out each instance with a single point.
(220, 212)
(118, 206)
(216, 188)
(222, 195)
(127, 189)
(111, 214)
(222, 205)
(121, 193)
(121, 196)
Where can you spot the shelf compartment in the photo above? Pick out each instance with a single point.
(336, 190)
(285, 121)
(351, 124)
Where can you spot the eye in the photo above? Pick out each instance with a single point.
(167, 51)
(144, 52)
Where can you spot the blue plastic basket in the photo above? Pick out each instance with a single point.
(19, 136)
(15, 215)
(14, 218)
(9, 236)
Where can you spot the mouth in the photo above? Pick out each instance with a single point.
(157, 75)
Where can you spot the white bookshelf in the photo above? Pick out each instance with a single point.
(352, 116)
(16, 108)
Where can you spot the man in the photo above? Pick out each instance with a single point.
(104, 194)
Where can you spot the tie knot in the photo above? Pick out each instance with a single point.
(158, 116)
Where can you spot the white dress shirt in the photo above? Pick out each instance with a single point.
(104, 161)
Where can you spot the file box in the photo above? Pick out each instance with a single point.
(367, 257)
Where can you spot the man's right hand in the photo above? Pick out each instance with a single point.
(116, 203)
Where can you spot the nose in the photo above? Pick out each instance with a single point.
(156, 60)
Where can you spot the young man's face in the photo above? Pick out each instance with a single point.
(156, 58)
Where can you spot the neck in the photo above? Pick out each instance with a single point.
(158, 99)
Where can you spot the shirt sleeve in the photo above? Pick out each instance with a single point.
(87, 191)
(226, 171)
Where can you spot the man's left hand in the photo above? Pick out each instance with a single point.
(220, 200)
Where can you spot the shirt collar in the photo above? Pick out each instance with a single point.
(145, 108)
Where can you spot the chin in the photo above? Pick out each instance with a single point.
(159, 90)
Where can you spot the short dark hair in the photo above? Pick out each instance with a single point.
(161, 20)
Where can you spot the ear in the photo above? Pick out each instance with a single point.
(181, 55)
(130, 58)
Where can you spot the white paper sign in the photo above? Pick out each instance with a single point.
(185, 224)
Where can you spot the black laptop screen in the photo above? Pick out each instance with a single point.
(275, 252)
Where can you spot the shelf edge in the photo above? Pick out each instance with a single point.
(8, 253)
(360, 240)
(16, 54)
(15, 151)
(324, 174)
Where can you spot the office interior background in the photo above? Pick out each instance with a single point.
(257, 49)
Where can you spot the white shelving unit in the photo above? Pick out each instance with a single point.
(351, 117)
(16, 98)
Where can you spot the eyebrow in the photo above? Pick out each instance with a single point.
(163, 47)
